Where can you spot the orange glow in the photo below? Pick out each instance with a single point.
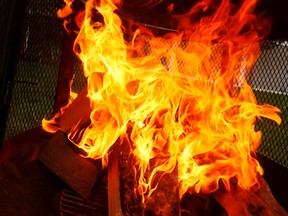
(184, 94)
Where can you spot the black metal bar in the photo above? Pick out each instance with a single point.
(66, 72)
(10, 39)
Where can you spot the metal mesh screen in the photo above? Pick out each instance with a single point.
(270, 84)
(37, 67)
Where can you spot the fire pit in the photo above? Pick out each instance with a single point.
(170, 116)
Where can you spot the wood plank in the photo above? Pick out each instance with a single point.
(79, 173)
(114, 201)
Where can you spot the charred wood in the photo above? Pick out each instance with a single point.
(257, 201)
(79, 173)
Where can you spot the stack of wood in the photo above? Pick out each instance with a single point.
(123, 196)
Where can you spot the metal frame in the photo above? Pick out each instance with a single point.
(9, 48)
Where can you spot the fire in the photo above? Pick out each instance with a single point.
(50, 125)
(184, 94)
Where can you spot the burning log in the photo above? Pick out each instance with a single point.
(163, 201)
(114, 203)
(79, 173)
(130, 197)
(258, 200)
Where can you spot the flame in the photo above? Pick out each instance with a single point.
(51, 125)
(183, 94)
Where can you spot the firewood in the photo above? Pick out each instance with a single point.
(163, 201)
(131, 203)
(114, 203)
(258, 200)
(79, 173)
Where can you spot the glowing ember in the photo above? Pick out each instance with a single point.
(183, 94)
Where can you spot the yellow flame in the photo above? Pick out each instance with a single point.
(184, 94)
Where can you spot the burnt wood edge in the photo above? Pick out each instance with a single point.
(114, 200)
(80, 173)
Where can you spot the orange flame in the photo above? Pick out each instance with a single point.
(51, 125)
(184, 94)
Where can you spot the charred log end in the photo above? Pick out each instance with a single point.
(165, 200)
(131, 203)
(258, 200)
(79, 173)
(114, 200)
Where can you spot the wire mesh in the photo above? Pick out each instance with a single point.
(270, 84)
(37, 67)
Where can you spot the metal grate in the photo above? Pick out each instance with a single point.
(270, 84)
(72, 204)
(37, 67)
